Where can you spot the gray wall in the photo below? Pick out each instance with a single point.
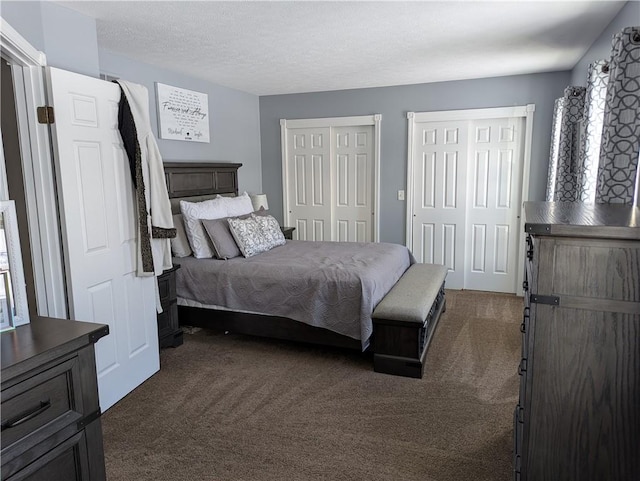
(69, 40)
(234, 120)
(393, 103)
(629, 16)
(74, 48)
(26, 18)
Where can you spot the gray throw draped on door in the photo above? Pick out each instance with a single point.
(617, 173)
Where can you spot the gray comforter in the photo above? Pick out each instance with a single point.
(335, 285)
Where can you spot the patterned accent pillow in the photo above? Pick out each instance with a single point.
(180, 243)
(270, 230)
(248, 236)
(192, 214)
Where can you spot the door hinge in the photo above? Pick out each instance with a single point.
(45, 115)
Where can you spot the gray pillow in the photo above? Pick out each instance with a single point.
(224, 245)
(180, 244)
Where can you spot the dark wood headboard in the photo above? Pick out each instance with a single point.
(189, 179)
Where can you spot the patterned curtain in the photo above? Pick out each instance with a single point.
(617, 172)
(598, 78)
(569, 146)
(558, 109)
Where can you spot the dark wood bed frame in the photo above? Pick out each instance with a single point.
(189, 180)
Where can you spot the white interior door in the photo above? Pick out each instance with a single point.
(465, 179)
(495, 148)
(98, 227)
(352, 180)
(309, 187)
(439, 196)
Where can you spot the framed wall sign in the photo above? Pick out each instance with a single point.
(182, 114)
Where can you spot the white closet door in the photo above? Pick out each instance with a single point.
(439, 196)
(352, 178)
(465, 180)
(98, 227)
(495, 148)
(309, 183)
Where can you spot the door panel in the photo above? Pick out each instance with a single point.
(353, 181)
(439, 196)
(495, 182)
(309, 184)
(98, 227)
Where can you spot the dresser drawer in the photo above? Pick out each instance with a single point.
(40, 406)
(67, 461)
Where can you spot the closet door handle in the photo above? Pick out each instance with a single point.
(26, 415)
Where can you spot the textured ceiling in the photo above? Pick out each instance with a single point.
(270, 48)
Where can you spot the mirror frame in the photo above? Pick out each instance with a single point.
(8, 210)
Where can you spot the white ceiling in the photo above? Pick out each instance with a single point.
(272, 47)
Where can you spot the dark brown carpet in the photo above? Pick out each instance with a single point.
(232, 408)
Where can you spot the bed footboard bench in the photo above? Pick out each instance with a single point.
(405, 320)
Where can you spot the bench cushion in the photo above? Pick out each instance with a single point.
(410, 300)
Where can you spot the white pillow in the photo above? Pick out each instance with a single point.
(192, 213)
(240, 205)
(180, 243)
(248, 236)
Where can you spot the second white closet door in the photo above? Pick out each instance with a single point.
(352, 183)
(495, 159)
(439, 196)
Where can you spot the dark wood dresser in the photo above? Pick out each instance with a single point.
(578, 415)
(50, 412)
(169, 332)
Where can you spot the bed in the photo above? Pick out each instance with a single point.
(330, 288)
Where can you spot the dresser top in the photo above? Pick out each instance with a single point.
(46, 336)
(614, 221)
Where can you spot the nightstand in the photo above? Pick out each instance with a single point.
(288, 232)
(169, 332)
